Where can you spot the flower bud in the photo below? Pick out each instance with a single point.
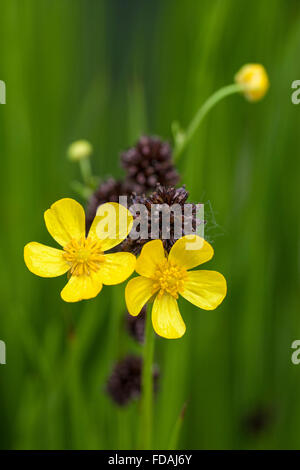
(254, 81)
(79, 150)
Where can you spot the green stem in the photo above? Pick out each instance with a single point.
(147, 386)
(201, 113)
(86, 171)
(84, 191)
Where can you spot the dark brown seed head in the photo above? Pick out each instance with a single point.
(168, 196)
(149, 162)
(125, 382)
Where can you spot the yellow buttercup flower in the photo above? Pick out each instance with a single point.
(83, 257)
(254, 80)
(164, 277)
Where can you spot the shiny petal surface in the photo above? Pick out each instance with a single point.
(81, 288)
(190, 251)
(138, 291)
(151, 255)
(44, 261)
(205, 289)
(65, 220)
(112, 224)
(166, 319)
(116, 268)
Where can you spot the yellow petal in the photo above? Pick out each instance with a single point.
(81, 288)
(138, 291)
(205, 289)
(166, 319)
(116, 268)
(112, 224)
(152, 254)
(190, 251)
(65, 220)
(44, 261)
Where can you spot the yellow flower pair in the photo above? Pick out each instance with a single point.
(162, 278)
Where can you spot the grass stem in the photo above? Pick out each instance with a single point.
(147, 386)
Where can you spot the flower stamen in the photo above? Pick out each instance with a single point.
(169, 278)
(84, 256)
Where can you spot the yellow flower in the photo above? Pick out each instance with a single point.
(164, 277)
(83, 257)
(80, 149)
(254, 80)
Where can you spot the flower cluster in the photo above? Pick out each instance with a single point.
(162, 275)
(164, 197)
(146, 164)
(97, 249)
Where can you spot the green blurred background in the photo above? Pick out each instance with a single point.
(109, 70)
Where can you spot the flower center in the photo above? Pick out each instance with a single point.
(83, 255)
(169, 278)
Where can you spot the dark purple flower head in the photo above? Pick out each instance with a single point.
(185, 219)
(149, 162)
(125, 382)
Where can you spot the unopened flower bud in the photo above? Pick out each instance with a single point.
(79, 150)
(254, 81)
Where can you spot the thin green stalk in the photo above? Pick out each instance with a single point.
(185, 138)
(84, 191)
(145, 435)
(86, 171)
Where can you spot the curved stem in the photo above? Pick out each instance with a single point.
(147, 386)
(201, 113)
